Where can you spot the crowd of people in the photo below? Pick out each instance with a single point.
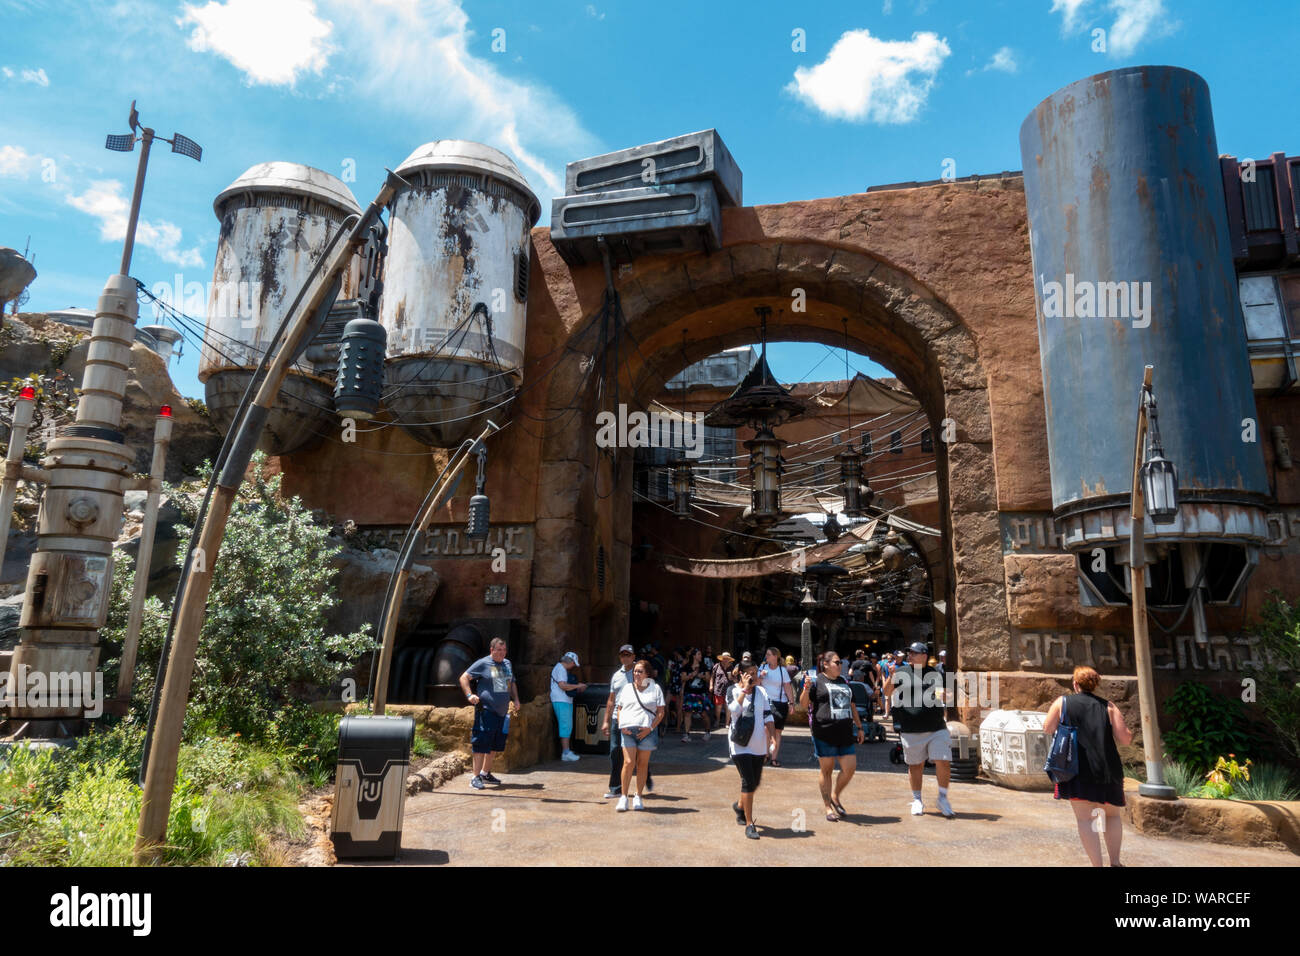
(653, 694)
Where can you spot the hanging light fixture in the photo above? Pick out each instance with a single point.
(761, 403)
(683, 474)
(850, 460)
(1159, 475)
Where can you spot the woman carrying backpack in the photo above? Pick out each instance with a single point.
(1096, 793)
(751, 727)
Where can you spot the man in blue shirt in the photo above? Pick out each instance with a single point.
(495, 700)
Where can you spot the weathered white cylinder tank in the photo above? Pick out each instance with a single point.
(456, 290)
(276, 220)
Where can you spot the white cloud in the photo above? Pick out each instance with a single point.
(103, 200)
(427, 69)
(1004, 61)
(36, 76)
(1070, 10)
(16, 161)
(866, 78)
(271, 43)
(1135, 21)
(593, 12)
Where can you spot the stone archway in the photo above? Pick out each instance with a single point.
(892, 317)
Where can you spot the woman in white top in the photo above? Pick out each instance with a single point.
(775, 680)
(640, 708)
(744, 697)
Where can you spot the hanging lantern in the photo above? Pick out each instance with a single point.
(683, 483)
(851, 479)
(765, 467)
(1159, 476)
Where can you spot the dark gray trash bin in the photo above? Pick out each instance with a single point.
(370, 785)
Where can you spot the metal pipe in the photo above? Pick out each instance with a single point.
(396, 591)
(1152, 744)
(24, 410)
(160, 777)
(146, 140)
(162, 435)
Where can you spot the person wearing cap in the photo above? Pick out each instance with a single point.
(562, 692)
(942, 666)
(886, 668)
(627, 659)
(721, 681)
(920, 716)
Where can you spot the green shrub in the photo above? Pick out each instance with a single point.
(1208, 725)
(1183, 778)
(1278, 681)
(231, 799)
(265, 633)
(1268, 781)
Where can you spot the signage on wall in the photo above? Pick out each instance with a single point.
(450, 541)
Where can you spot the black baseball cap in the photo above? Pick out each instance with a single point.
(917, 647)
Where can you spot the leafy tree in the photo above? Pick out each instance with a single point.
(264, 640)
(1278, 681)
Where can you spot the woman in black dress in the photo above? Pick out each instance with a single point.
(1096, 794)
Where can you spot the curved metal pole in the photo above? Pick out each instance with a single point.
(160, 777)
(402, 569)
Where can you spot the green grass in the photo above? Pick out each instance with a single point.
(1268, 781)
(1186, 780)
(80, 806)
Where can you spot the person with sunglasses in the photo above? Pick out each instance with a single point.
(639, 710)
(828, 699)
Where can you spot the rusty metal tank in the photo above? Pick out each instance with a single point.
(456, 289)
(276, 220)
(1132, 267)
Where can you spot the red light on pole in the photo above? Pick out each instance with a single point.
(27, 394)
(165, 411)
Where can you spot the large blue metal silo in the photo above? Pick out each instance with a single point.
(1132, 267)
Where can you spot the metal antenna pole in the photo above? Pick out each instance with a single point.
(146, 140)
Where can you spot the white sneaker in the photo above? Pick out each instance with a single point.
(622, 804)
(918, 808)
(945, 808)
(637, 804)
(570, 756)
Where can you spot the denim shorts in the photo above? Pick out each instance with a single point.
(823, 749)
(489, 732)
(651, 741)
(564, 716)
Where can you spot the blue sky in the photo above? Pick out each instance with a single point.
(881, 91)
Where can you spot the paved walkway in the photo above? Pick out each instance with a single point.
(553, 814)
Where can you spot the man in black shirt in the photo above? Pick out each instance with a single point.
(916, 696)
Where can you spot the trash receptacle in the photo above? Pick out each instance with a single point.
(588, 717)
(370, 785)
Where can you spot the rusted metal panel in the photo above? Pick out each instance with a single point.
(1133, 267)
(456, 288)
(276, 221)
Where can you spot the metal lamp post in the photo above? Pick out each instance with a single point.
(1155, 479)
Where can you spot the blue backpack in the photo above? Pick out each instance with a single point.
(1063, 755)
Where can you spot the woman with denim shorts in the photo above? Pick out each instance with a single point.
(640, 708)
(828, 699)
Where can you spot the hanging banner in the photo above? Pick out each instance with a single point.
(789, 562)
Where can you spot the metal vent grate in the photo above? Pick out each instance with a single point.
(521, 275)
